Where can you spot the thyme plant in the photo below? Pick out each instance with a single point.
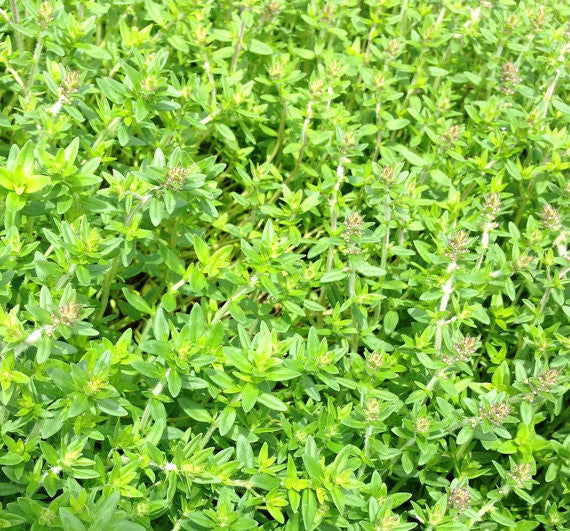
(284, 264)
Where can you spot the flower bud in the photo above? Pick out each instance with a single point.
(460, 498)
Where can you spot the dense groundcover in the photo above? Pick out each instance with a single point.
(284, 265)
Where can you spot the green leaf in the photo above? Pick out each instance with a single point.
(395, 125)
(14, 202)
(464, 435)
(333, 276)
(308, 508)
(259, 47)
(527, 412)
(136, 301)
(227, 419)
(225, 131)
(272, 402)
(69, 521)
(249, 396)
(201, 249)
(411, 157)
(390, 321)
(174, 383)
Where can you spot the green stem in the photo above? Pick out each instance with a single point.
(238, 44)
(18, 80)
(280, 134)
(524, 203)
(306, 123)
(332, 212)
(352, 295)
(210, 432)
(447, 290)
(114, 264)
(403, 18)
(385, 245)
(16, 19)
(35, 59)
(379, 134)
(156, 391)
(367, 435)
(224, 310)
(211, 79)
(106, 130)
(546, 293)
(107, 288)
(483, 73)
(384, 255)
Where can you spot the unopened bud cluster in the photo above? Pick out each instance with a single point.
(451, 135)
(379, 81)
(522, 262)
(67, 314)
(392, 48)
(328, 12)
(142, 509)
(511, 23)
(496, 414)
(353, 228)
(460, 498)
(422, 425)
(272, 9)
(491, 207)
(509, 78)
(546, 381)
(45, 14)
(69, 86)
(520, 474)
(276, 70)
(375, 360)
(463, 350)
(334, 68)
(539, 17)
(149, 85)
(348, 141)
(490, 211)
(458, 245)
(175, 178)
(387, 175)
(551, 218)
(316, 88)
(389, 522)
(372, 409)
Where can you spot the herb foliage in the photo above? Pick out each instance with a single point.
(284, 264)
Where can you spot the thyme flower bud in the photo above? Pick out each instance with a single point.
(495, 414)
(353, 226)
(458, 245)
(521, 473)
(393, 48)
(451, 135)
(551, 218)
(422, 425)
(387, 175)
(66, 314)
(45, 14)
(464, 349)
(375, 360)
(372, 409)
(509, 78)
(69, 86)
(460, 498)
(175, 178)
(491, 207)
